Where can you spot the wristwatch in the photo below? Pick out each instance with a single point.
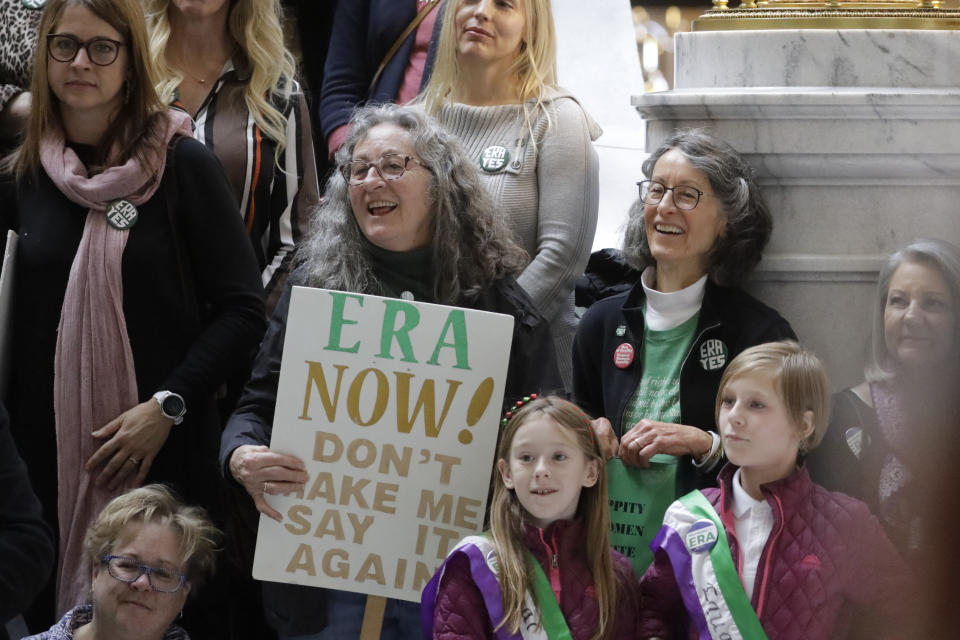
(171, 405)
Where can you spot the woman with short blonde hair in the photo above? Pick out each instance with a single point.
(148, 551)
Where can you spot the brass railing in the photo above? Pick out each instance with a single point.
(828, 14)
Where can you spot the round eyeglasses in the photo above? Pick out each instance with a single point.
(64, 47)
(129, 571)
(684, 196)
(390, 166)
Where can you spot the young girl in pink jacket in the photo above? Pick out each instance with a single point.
(770, 554)
(546, 565)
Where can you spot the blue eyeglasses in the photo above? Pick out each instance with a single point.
(129, 570)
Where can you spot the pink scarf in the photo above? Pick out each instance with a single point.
(94, 377)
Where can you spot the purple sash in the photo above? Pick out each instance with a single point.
(480, 553)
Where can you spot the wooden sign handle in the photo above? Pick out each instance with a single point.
(373, 618)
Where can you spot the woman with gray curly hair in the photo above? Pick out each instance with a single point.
(648, 362)
(406, 217)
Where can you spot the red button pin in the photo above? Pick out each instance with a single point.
(623, 355)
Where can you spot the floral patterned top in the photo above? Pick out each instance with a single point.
(81, 615)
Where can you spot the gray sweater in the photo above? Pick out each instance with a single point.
(548, 194)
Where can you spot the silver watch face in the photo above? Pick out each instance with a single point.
(172, 406)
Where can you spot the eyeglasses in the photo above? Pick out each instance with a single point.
(684, 196)
(129, 570)
(390, 166)
(64, 48)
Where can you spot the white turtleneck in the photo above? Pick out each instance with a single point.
(668, 310)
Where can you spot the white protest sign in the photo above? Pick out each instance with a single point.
(394, 407)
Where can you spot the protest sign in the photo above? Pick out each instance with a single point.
(394, 407)
(638, 499)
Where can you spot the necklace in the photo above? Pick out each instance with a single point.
(203, 81)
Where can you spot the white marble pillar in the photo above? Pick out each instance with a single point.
(597, 61)
(856, 137)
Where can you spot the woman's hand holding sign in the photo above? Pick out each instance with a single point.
(261, 470)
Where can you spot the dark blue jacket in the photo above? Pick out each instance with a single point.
(363, 32)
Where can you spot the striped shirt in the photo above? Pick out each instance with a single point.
(276, 195)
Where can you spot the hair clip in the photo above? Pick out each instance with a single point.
(524, 400)
(516, 405)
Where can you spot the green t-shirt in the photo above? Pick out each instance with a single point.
(658, 395)
(640, 497)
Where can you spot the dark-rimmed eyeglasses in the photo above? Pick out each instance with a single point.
(390, 166)
(684, 196)
(129, 571)
(64, 47)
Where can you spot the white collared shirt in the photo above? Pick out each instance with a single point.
(669, 310)
(753, 522)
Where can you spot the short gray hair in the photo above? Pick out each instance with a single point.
(472, 247)
(938, 254)
(749, 224)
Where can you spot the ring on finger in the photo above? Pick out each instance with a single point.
(133, 460)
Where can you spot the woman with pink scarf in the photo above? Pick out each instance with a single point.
(136, 289)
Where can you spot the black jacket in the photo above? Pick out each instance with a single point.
(26, 541)
(532, 368)
(730, 321)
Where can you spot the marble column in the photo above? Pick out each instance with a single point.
(597, 61)
(856, 138)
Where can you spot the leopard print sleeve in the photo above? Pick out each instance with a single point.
(18, 35)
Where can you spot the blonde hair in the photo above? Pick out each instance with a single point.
(136, 129)
(156, 504)
(255, 25)
(799, 378)
(535, 68)
(507, 518)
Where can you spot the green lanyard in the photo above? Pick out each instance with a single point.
(550, 615)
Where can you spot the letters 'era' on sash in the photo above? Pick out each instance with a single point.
(696, 544)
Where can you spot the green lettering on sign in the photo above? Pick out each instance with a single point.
(389, 332)
(337, 321)
(458, 322)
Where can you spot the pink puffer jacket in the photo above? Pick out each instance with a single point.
(826, 557)
(461, 614)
